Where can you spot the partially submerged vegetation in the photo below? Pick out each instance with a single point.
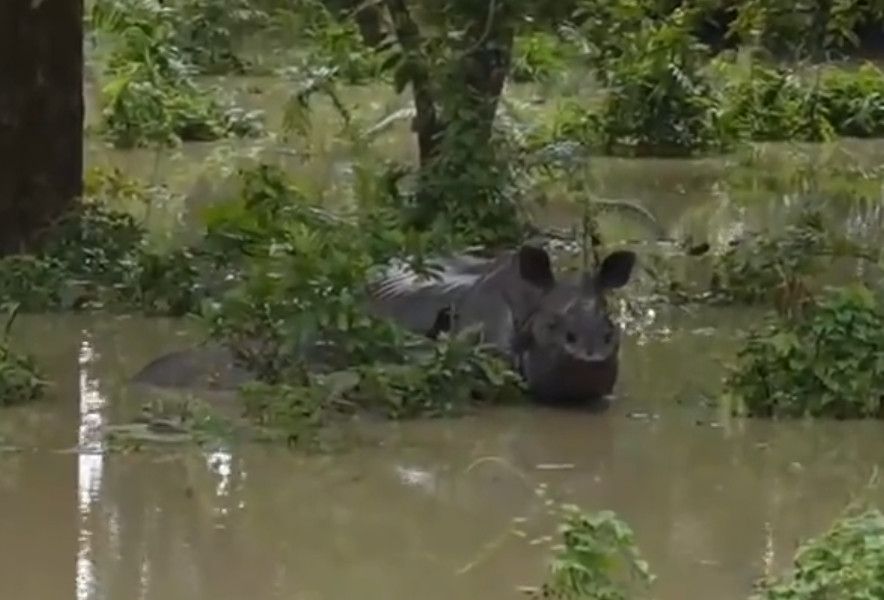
(845, 562)
(149, 93)
(281, 282)
(97, 257)
(20, 379)
(827, 362)
(598, 558)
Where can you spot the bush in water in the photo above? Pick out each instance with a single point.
(777, 103)
(20, 379)
(827, 363)
(598, 558)
(150, 96)
(297, 315)
(97, 257)
(845, 562)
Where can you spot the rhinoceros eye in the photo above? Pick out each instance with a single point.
(570, 337)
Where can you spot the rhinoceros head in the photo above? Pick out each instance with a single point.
(564, 337)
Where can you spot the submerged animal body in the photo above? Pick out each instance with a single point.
(557, 332)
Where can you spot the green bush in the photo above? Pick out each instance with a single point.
(97, 257)
(150, 96)
(761, 265)
(333, 41)
(207, 32)
(539, 56)
(20, 379)
(598, 559)
(828, 363)
(845, 562)
(765, 103)
(659, 100)
(297, 315)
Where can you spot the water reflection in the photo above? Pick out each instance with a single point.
(90, 463)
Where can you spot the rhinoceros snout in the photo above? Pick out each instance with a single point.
(573, 381)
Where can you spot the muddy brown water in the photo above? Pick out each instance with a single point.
(436, 509)
(427, 509)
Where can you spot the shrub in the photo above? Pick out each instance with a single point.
(845, 562)
(150, 96)
(829, 363)
(598, 559)
(20, 379)
(539, 56)
(97, 257)
(767, 103)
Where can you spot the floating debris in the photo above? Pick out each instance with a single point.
(554, 466)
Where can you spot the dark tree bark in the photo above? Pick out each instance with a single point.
(368, 18)
(41, 116)
(426, 123)
(484, 68)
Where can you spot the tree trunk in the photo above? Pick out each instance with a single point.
(461, 172)
(368, 18)
(41, 116)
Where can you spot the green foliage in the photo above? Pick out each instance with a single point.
(846, 562)
(598, 560)
(754, 268)
(664, 95)
(441, 379)
(96, 257)
(778, 103)
(540, 56)
(828, 363)
(780, 268)
(298, 314)
(20, 379)
(333, 41)
(803, 28)
(855, 100)
(304, 278)
(658, 100)
(150, 96)
(207, 32)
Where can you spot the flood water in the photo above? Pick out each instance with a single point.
(436, 509)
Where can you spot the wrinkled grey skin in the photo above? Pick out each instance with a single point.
(557, 332)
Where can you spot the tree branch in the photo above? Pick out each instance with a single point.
(426, 123)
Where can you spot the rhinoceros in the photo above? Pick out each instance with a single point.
(557, 331)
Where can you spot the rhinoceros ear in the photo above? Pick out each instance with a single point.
(615, 270)
(535, 266)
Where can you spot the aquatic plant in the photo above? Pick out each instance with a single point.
(598, 559)
(762, 266)
(99, 257)
(828, 362)
(443, 378)
(847, 561)
(298, 312)
(20, 378)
